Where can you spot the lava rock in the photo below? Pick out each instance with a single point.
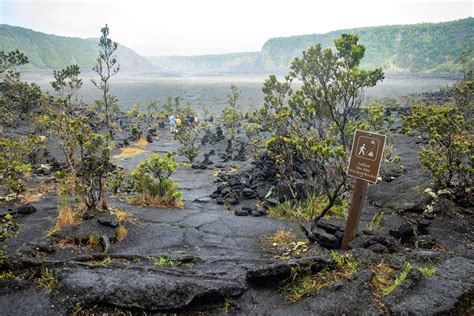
(403, 232)
(255, 213)
(241, 212)
(26, 209)
(274, 273)
(325, 239)
(422, 226)
(149, 138)
(108, 220)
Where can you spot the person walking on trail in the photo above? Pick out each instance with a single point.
(196, 120)
(362, 150)
(191, 119)
(172, 122)
(178, 122)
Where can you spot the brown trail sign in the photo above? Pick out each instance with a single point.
(364, 165)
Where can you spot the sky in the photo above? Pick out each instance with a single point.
(197, 27)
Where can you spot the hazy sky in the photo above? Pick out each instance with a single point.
(193, 27)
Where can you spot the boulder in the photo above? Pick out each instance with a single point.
(108, 219)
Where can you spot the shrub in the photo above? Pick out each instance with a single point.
(115, 179)
(448, 154)
(8, 228)
(13, 164)
(255, 139)
(230, 115)
(314, 124)
(151, 180)
(188, 138)
(93, 168)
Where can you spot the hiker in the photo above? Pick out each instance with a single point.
(172, 122)
(196, 120)
(178, 122)
(191, 119)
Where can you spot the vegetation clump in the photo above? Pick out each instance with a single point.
(188, 137)
(383, 283)
(231, 115)
(305, 210)
(315, 123)
(151, 180)
(303, 282)
(8, 228)
(448, 154)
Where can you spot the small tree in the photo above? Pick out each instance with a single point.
(463, 90)
(11, 60)
(188, 137)
(8, 228)
(314, 123)
(67, 85)
(151, 180)
(14, 166)
(93, 168)
(254, 137)
(135, 110)
(152, 108)
(19, 98)
(448, 155)
(230, 115)
(8, 61)
(106, 66)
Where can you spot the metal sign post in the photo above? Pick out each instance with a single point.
(364, 165)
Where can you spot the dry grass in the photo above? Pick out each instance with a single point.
(36, 194)
(142, 142)
(283, 236)
(122, 215)
(66, 216)
(121, 233)
(128, 152)
(93, 241)
(155, 202)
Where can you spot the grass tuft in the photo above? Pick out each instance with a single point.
(47, 280)
(162, 261)
(306, 210)
(375, 223)
(303, 283)
(121, 232)
(7, 275)
(428, 271)
(93, 241)
(66, 216)
(383, 282)
(142, 142)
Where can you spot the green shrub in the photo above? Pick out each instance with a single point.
(115, 179)
(13, 164)
(230, 115)
(188, 138)
(8, 228)
(254, 137)
(151, 180)
(448, 154)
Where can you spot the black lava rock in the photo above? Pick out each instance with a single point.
(26, 209)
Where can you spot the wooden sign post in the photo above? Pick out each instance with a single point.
(364, 165)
